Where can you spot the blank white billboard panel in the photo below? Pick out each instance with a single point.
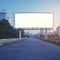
(33, 20)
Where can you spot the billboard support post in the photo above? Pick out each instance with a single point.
(20, 34)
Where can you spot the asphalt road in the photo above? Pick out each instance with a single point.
(30, 49)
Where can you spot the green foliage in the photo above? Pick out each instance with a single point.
(22, 33)
(41, 37)
(6, 30)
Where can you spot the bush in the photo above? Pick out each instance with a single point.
(41, 36)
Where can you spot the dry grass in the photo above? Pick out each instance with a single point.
(52, 40)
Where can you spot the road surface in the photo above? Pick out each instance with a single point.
(30, 49)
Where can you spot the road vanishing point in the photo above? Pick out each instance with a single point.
(30, 49)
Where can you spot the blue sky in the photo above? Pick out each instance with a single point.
(13, 6)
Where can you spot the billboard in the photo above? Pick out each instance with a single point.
(34, 20)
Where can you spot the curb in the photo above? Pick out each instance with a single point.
(4, 42)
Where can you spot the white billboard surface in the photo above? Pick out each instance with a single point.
(33, 20)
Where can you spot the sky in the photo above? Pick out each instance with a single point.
(13, 6)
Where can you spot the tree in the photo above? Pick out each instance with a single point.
(22, 33)
(6, 30)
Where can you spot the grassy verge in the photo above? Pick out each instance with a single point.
(52, 40)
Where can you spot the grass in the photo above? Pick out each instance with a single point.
(52, 40)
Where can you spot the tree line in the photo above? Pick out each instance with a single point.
(7, 31)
